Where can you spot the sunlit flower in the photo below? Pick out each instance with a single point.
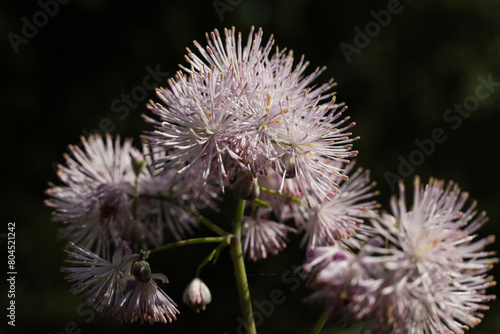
(197, 295)
(240, 109)
(428, 275)
(97, 280)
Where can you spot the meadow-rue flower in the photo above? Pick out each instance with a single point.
(197, 295)
(240, 109)
(425, 273)
(144, 300)
(97, 280)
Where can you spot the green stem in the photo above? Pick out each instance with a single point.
(321, 322)
(239, 269)
(195, 214)
(274, 192)
(214, 255)
(190, 242)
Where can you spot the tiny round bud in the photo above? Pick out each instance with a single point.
(197, 295)
(134, 231)
(138, 164)
(289, 160)
(247, 188)
(141, 271)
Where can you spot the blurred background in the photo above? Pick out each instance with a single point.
(69, 75)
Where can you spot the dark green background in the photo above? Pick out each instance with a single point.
(64, 80)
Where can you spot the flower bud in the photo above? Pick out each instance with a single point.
(138, 164)
(197, 295)
(134, 231)
(289, 160)
(141, 271)
(247, 188)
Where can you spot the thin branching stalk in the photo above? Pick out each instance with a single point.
(195, 214)
(239, 269)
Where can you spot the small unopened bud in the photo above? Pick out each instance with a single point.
(197, 295)
(138, 165)
(141, 271)
(289, 160)
(247, 188)
(134, 231)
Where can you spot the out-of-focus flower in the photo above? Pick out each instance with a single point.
(112, 193)
(240, 109)
(95, 201)
(262, 236)
(97, 280)
(144, 300)
(197, 295)
(425, 273)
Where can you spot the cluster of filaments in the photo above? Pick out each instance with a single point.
(240, 117)
(238, 113)
(423, 272)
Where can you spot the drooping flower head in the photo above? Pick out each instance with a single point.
(123, 288)
(99, 281)
(144, 300)
(240, 109)
(425, 273)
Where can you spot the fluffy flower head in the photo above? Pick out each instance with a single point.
(427, 274)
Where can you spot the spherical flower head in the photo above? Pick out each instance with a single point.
(97, 280)
(424, 273)
(434, 250)
(262, 236)
(240, 109)
(197, 295)
(144, 300)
